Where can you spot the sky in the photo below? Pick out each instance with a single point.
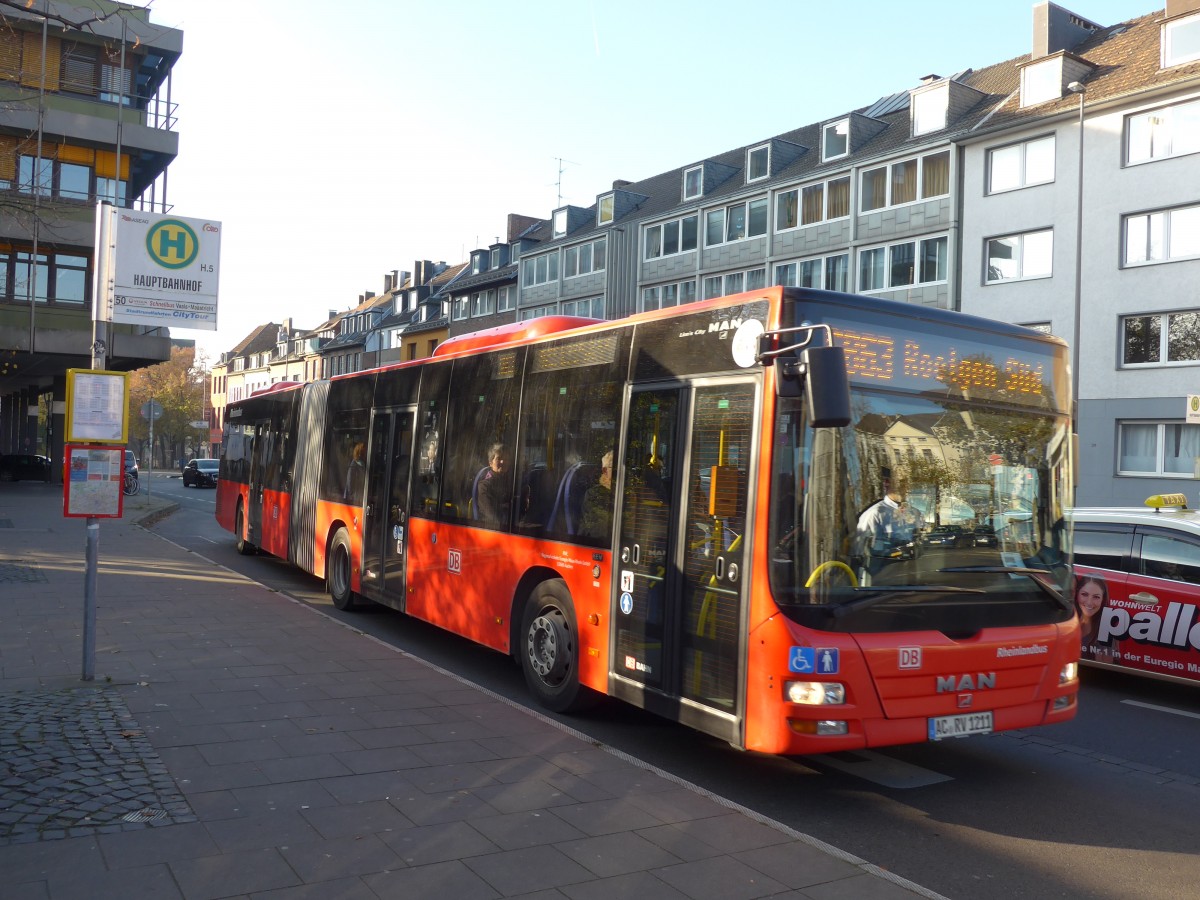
(338, 142)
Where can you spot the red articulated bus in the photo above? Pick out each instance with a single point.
(797, 520)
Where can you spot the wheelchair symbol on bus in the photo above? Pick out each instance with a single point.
(821, 660)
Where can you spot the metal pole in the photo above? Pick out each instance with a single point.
(1077, 88)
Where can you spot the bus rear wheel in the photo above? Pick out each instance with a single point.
(244, 547)
(337, 572)
(549, 649)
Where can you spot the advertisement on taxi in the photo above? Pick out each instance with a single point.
(1141, 610)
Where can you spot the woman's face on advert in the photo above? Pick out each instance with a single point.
(1090, 598)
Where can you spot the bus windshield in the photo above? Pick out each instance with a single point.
(926, 512)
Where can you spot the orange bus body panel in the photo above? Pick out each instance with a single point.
(466, 580)
(886, 704)
(276, 514)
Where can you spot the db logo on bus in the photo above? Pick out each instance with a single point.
(910, 657)
(454, 561)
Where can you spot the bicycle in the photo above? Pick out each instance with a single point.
(131, 485)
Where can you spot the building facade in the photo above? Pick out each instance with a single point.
(85, 116)
(1059, 189)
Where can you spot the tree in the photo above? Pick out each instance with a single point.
(178, 386)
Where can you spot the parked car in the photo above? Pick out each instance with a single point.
(1137, 586)
(201, 473)
(24, 467)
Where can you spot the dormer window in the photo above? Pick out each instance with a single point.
(604, 209)
(497, 258)
(835, 140)
(1181, 41)
(514, 252)
(693, 182)
(758, 162)
(478, 263)
(560, 223)
(929, 108)
(1042, 82)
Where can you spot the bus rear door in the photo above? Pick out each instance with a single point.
(680, 591)
(385, 529)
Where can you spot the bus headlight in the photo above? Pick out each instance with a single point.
(814, 693)
(1069, 673)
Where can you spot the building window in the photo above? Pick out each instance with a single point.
(539, 269)
(483, 303)
(506, 299)
(693, 182)
(1019, 256)
(1181, 41)
(592, 308)
(57, 278)
(1021, 165)
(604, 209)
(1162, 133)
(560, 223)
(478, 263)
(835, 140)
(663, 296)
(758, 163)
(497, 258)
(1162, 236)
(462, 307)
(585, 258)
(1164, 449)
(1041, 82)
(905, 264)
(1161, 339)
(536, 312)
(829, 272)
(929, 109)
(812, 204)
(906, 181)
(734, 283)
(669, 238)
(736, 222)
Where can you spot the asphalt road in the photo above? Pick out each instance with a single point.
(1106, 806)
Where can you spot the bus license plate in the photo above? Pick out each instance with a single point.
(960, 726)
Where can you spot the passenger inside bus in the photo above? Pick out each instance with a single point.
(490, 493)
(596, 508)
(356, 474)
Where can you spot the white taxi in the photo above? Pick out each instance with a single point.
(1137, 587)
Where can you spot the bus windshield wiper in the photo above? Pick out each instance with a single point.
(868, 597)
(1062, 600)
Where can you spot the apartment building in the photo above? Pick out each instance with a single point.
(85, 115)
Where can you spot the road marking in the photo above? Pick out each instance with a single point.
(1166, 709)
(885, 770)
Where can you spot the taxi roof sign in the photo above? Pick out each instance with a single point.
(1163, 501)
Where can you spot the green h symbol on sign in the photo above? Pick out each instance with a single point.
(172, 244)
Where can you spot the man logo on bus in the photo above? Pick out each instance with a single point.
(172, 244)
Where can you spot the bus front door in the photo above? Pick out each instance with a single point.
(385, 518)
(256, 493)
(679, 605)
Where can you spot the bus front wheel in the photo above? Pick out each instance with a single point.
(549, 649)
(337, 572)
(244, 547)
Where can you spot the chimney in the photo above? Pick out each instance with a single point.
(1055, 29)
(620, 183)
(518, 225)
(929, 79)
(387, 282)
(1179, 7)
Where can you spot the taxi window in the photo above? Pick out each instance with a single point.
(1168, 557)
(1102, 548)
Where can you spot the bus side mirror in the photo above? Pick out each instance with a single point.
(827, 387)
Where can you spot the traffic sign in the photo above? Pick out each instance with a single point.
(199, 423)
(152, 410)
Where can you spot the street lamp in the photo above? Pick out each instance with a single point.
(1076, 87)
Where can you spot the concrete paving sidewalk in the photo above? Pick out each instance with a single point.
(236, 743)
